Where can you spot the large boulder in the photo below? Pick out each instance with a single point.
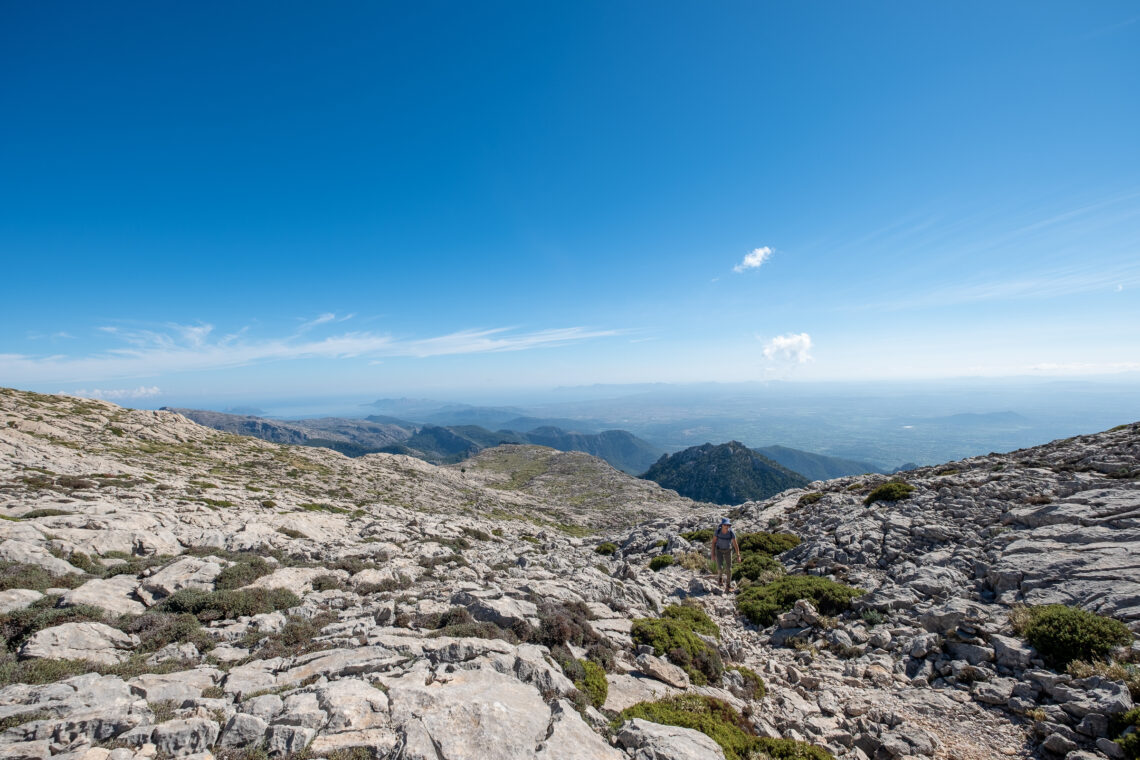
(188, 572)
(115, 594)
(95, 642)
(469, 713)
(654, 741)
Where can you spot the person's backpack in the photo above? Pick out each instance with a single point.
(724, 540)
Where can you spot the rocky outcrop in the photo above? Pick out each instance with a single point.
(384, 605)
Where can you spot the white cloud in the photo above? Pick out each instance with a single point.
(150, 353)
(792, 347)
(142, 391)
(1119, 287)
(754, 259)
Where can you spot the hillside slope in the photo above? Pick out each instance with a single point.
(729, 473)
(816, 466)
(433, 443)
(168, 590)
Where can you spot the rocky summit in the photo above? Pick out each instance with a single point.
(168, 590)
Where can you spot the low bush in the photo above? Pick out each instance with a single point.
(694, 617)
(609, 548)
(753, 683)
(45, 513)
(721, 723)
(1127, 672)
(39, 671)
(756, 567)
(895, 490)
(437, 620)
(157, 629)
(762, 603)
(702, 536)
(226, 605)
(768, 543)
(873, 617)
(808, 499)
(296, 637)
(476, 631)
(243, 572)
(1062, 634)
(675, 638)
(16, 626)
(1126, 728)
(660, 562)
(74, 481)
(16, 575)
(328, 582)
(589, 679)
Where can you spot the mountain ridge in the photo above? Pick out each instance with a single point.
(727, 473)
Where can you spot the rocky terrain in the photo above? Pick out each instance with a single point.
(167, 590)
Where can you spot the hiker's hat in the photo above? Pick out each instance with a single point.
(725, 521)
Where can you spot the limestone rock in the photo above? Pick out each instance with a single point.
(187, 572)
(115, 594)
(96, 642)
(655, 667)
(654, 741)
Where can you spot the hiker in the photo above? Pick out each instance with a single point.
(723, 545)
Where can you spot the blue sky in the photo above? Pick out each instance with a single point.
(377, 198)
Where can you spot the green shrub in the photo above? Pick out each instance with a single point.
(16, 626)
(695, 618)
(660, 561)
(702, 536)
(157, 629)
(767, 543)
(894, 490)
(761, 604)
(226, 605)
(16, 575)
(242, 573)
(754, 566)
(476, 631)
(753, 683)
(1062, 634)
(675, 638)
(873, 617)
(1130, 743)
(593, 683)
(39, 671)
(296, 637)
(808, 499)
(608, 548)
(33, 514)
(721, 723)
(291, 532)
(328, 582)
(323, 507)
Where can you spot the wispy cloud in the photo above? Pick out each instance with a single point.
(322, 320)
(794, 347)
(180, 348)
(1085, 368)
(753, 260)
(143, 391)
(51, 336)
(1061, 281)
